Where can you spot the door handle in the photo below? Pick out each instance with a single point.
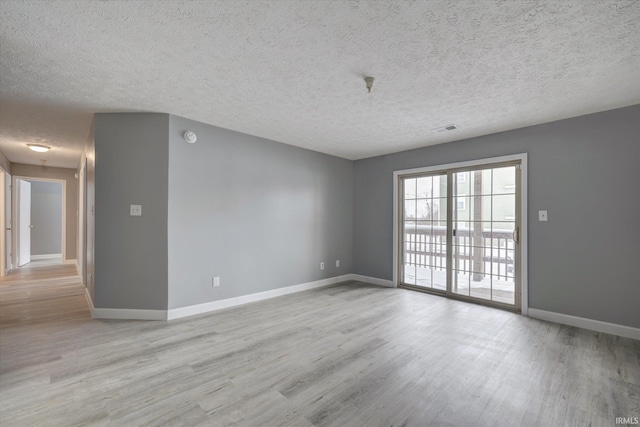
(516, 235)
(8, 228)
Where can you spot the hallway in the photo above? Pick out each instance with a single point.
(30, 296)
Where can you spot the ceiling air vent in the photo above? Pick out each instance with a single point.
(446, 128)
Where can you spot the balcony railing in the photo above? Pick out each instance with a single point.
(425, 246)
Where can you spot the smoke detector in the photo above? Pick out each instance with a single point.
(190, 136)
(443, 129)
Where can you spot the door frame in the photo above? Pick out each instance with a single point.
(14, 213)
(522, 157)
(4, 247)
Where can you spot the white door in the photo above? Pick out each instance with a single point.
(24, 222)
(7, 224)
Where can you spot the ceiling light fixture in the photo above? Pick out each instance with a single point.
(369, 82)
(38, 148)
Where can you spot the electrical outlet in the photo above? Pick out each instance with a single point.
(542, 216)
(337, 263)
(322, 266)
(215, 282)
(135, 210)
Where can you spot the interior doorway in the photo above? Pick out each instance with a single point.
(459, 231)
(39, 210)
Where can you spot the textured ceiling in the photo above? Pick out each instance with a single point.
(292, 71)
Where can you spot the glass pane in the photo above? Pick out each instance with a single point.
(423, 277)
(440, 210)
(503, 290)
(461, 208)
(504, 180)
(478, 231)
(504, 207)
(410, 188)
(440, 186)
(461, 258)
(440, 278)
(422, 209)
(461, 183)
(424, 187)
(461, 235)
(409, 229)
(409, 276)
(460, 283)
(480, 208)
(479, 184)
(480, 286)
(409, 209)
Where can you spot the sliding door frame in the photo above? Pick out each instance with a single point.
(522, 207)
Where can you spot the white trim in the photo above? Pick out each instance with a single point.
(70, 261)
(129, 314)
(46, 256)
(522, 157)
(581, 322)
(372, 280)
(89, 302)
(64, 210)
(206, 307)
(123, 313)
(524, 244)
(176, 313)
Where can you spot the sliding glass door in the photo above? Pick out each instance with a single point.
(425, 232)
(459, 233)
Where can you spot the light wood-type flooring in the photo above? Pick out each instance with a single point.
(347, 355)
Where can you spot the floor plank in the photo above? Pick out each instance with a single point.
(348, 355)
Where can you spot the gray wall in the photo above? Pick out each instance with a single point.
(585, 171)
(131, 167)
(46, 217)
(71, 209)
(259, 214)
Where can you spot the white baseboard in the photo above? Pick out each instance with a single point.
(89, 302)
(123, 313)
(176, 313)
(206, 307)
(129, 314)
(45, 256)
(581, 322)
(372, 280)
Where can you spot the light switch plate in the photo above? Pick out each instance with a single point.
(542, 215)
(136, 210)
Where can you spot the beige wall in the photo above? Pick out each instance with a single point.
(4, 163)
(68, 175)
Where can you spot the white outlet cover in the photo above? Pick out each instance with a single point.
(136, 210)
(542, 216)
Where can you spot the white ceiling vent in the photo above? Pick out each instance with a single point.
(446, 128)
